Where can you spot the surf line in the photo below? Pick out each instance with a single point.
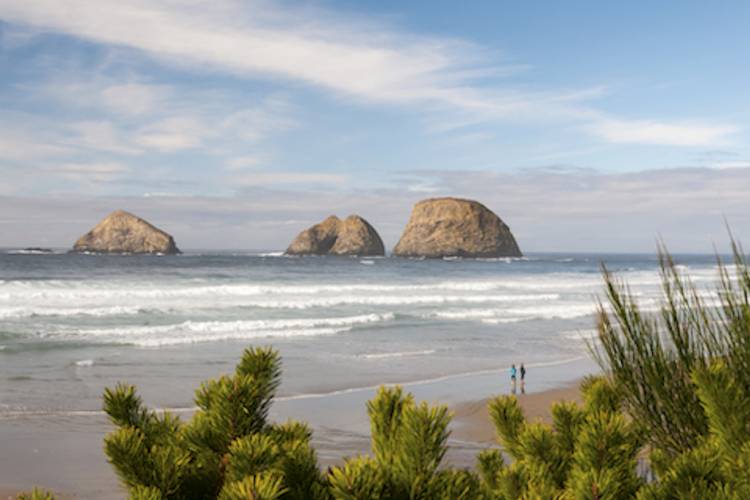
(8, 415)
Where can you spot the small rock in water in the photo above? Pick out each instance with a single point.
(124, 233)
(453, 227)
(351, 236)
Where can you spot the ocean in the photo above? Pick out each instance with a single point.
(71, 325)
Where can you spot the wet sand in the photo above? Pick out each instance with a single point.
(63, 452)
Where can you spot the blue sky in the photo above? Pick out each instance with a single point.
(235, 123)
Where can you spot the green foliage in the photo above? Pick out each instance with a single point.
(266, 486)
(36, 494)
(409, 442)
(651, 358)
(683, 377)
(587, 452)
(228, 449)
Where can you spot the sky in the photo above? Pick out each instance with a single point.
(586, 126)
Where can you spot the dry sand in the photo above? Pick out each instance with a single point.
(471, 421)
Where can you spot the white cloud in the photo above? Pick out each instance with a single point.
(344, 54)
(254, 123)
(128, 98)
(340, 53)
(268, 178)
(134, 98)
(173, 134)
(244, 162)
(24, 146)
(90, 172)
(261, 38)
(671, 134)
(99, 136)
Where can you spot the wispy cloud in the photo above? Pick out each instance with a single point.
(173, 134)
(285, 178)
(90, 172)
(99, 136)
(342, 53)
(265, 39)
(130, 98)
(670, 134)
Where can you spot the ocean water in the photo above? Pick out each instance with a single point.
(71, 325)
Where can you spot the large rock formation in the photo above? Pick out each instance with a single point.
(333, 236)
(123, 232)
(452, 227)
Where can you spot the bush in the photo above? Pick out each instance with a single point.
(228, 450)
(409, 442)
(652, 358)
(587, 452)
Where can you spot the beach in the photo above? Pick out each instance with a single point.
(64, 453)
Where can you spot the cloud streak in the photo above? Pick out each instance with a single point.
(343, 54)
(670, 134)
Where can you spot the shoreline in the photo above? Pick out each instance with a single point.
(64, 453)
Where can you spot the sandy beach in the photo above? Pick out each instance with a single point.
(64, 452)
(471, 421)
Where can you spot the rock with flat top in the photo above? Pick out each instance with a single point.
(124, 233)
(351, 236)
(454, 227)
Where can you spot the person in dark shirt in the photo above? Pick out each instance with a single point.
(523, 379)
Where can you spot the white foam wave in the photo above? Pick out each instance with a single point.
(214, 303)
(27, 312)
(497, 316)
(402, 354)
(204, 331)
(85, 363)
(231, 335)
(56, 290)
(31, 251)
(396, 300)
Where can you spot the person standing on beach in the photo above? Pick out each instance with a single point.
(513, 378)
(523, 379)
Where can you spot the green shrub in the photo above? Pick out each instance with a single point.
(587, 452)
(36, 494)
(652, 358)
(228, 449)
(409, 442)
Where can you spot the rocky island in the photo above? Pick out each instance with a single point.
(351, 236)
(123, 232)
(454, 227)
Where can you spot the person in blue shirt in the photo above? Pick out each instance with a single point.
(513, 378)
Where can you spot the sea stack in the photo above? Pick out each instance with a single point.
(333, 236)
(453, 227)
(123, 232)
